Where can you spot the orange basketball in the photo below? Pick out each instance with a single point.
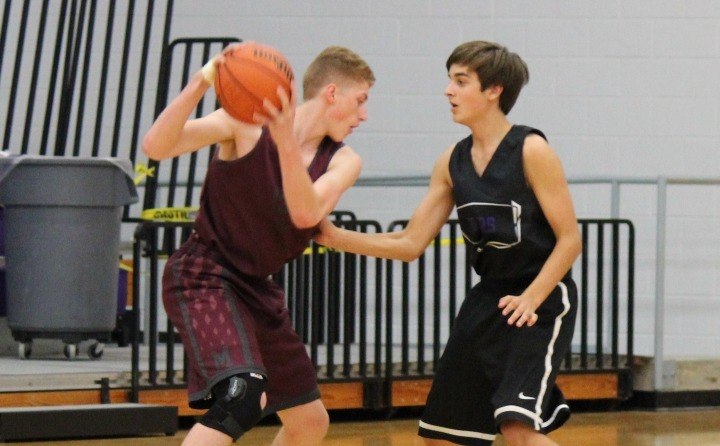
(251, 73)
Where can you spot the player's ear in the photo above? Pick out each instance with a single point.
(329, 93)
(495, 91)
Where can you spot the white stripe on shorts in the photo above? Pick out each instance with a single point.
(456, 432)
(537, 420)
(550, 351)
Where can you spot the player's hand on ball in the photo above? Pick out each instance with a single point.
(280, 121)
(520, 310)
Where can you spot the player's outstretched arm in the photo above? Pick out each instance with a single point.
(409, 243)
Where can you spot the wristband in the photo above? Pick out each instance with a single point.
(209, 71)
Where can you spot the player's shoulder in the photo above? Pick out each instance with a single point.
(446, 154)
(536, 145)
(442, 163)
(538, 154)
(345, 154)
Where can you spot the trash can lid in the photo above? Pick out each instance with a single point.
(56, 180)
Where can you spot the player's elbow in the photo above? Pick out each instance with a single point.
(159, 147)
(410, 252)
(304, 224)
(578, 248)
(574, 242)
(151, 148)
(305, 220)
(408, 257)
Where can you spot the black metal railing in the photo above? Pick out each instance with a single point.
(63, 87)
(606, 275)
(82, 75)
(372, 320)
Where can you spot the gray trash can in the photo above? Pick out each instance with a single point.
(62, 236)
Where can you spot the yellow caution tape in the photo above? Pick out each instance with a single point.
(180, 214)
(320, 250)
(446, 241)
(143, 172)
(126, 265)
(188, 214)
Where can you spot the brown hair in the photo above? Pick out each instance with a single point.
(494, 65)
(335, 64)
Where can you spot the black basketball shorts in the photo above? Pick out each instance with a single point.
(491, 372)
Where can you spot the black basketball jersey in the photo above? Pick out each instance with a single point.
(500, 217)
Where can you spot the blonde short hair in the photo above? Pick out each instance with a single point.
(335, 64)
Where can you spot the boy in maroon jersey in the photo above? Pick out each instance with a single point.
(267, 188)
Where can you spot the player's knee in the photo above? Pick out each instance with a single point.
(313, 424)
(517, 433)
(319, 423)
(238, 405)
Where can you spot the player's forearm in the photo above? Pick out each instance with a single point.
(389, 245)
(164, 135)
(556, 266)
(302, 201)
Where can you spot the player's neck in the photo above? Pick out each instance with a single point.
(488, 133)
(308, 126)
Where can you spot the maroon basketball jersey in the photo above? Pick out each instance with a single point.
(243, 215)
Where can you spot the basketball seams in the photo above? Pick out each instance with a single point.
(226, 92)
(271, 67)
(260, 69)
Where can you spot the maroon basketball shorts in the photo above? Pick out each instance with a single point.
(232, 324)
(491, 372)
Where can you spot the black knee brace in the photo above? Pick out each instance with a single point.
(237, 405)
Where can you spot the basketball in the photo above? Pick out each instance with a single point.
(251, 72)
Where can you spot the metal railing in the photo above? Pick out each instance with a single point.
(82, 89)
(375, 321)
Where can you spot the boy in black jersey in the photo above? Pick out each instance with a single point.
(497, 373)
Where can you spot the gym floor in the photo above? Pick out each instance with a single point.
(695, 427)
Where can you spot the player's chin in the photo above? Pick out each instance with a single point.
(457, 118)
(340, 136)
